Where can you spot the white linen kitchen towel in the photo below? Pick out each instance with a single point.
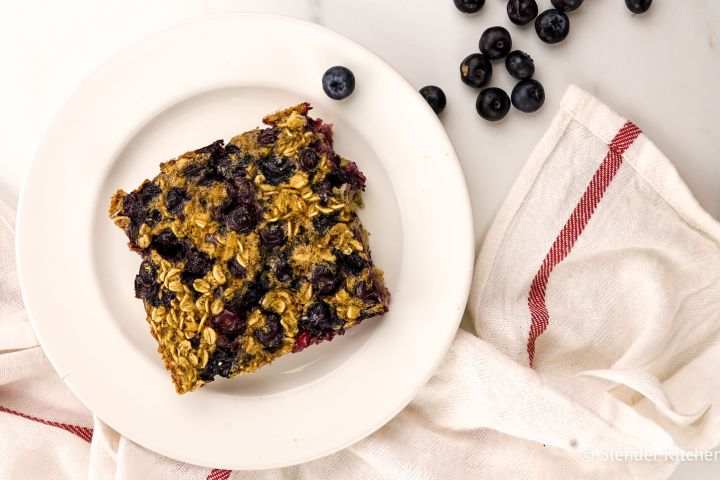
(596, 301)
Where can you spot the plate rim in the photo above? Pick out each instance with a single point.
(468, 241)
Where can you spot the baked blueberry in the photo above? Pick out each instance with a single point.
(492, 104)
(476, 70)
(435, 98)
(271, 337)
(552, 26)
(638, 6)
(242, 219)
(324, 280)
(277, 169)
(220, 363)
(168, 246)
(522, 12)
(308, 159)
(469, 6)
(229, 323)
(567, 5)
(528, 95)
(495, 42)
(267, 136)
(338, 82)
(520, 65)
(273, 234)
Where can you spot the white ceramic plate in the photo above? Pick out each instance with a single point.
(182, 89)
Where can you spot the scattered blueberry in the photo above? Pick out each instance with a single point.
(522, 12)
(638, 6)
(338, 82)
(366, 292)
(469, 6)
(520, 65)
(552, 26)
(567, 5)
(495, 42)
(435, 98)
(528, 95)
(492, 104)
(476, 70)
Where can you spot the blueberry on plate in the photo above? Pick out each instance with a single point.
(475, 70)
(520, 65)
(638, 6)
(435, 97)
(469, 6)
(528, 96)
(495, 42)
(552, 26)
(522, 12)
(492, 104)
(338, 82)
(567, 5)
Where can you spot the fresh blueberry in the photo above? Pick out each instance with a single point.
(522, 12)
(493, 104)
(528, 95)
(476, 70)
(495, 42)
(338, 82)
(520, 65)
(552, 26)
(435, 98)
(567, 5)
(469, 6)
(638, 6)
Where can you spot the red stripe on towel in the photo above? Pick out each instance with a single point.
(219, 474)
(540, 318)
(83, 432)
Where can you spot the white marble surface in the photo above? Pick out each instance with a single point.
(660, 69)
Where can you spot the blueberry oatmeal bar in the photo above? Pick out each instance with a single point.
(251, 250)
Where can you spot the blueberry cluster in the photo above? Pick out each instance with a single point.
(476, 70)
(528, 95)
